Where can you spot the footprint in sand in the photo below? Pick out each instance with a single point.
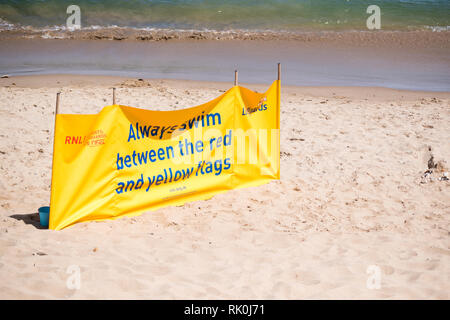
(387, 270)
(281, 290)
(306, 278)
(405, 255)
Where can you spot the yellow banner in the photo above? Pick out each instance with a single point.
(125, 160)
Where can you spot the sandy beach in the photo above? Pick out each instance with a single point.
(352, 198)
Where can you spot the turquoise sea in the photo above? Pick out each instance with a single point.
(275, 15)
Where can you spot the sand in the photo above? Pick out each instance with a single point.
(352, 199)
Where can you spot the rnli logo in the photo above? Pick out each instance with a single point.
(95, 139)
(261, 106)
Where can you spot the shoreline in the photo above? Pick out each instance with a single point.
(64, 81)
(397, 38)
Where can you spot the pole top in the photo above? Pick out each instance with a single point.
(57, 102)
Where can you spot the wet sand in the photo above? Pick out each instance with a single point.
(399, 61)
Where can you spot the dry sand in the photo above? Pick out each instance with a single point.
(351, 195)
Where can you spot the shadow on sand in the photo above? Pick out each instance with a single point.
(30, 218)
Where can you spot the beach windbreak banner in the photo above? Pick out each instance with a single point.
(124, 161)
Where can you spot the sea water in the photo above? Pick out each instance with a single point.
(275, 15)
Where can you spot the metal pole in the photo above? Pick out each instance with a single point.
(235, 77)
(279, 71)
(114, 96)
(57, 104)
